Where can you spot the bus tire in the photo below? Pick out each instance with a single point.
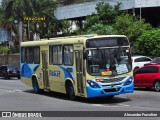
(19, 77)
(6, 77)
(157, 86)
(70, 91)
(35, 86)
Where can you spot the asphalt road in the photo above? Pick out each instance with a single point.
(15, 96)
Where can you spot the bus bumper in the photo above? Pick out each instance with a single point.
(116, 90)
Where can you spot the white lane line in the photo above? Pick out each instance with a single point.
(111, 105)
(97, 105)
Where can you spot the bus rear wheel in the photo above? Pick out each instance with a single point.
(35, 86)
(157, 86)
(70, 91)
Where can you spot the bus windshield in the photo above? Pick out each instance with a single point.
(116, 60)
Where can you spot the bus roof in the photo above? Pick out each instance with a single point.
(66, 40)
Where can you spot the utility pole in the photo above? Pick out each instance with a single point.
(20, 31)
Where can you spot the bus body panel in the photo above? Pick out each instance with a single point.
(57, 77)
(110, 90)
(26, 81)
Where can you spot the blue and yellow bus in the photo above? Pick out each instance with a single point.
(85, 66)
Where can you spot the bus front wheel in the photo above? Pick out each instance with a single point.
(35, 86)
(71, 92)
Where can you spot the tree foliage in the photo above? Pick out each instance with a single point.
(33, 8)
(4, 50)
(101, 29)
(125, 24)
(91, 20)
(67, 2)
(149, 43)
(107, 13)
(1, 16)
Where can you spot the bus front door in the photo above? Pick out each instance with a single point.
(79, 68)
(45, 69)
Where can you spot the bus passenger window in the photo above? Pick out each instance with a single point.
(29, 55)
(68, 55)
(57, 55)
(36, 55)
(23, 55)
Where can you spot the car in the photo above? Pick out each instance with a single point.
(8, 71)
(156, 60)
(148, 76)
(139, 61)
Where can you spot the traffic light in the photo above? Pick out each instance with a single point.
(15, 21)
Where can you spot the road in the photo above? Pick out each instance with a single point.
(15, 96)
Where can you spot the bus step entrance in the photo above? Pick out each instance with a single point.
(46, 90)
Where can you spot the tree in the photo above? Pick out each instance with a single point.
(101, 29)
(18, 8)
(107, 13)
(4, 50)
(126, 25)
(49, 27)
(91, 20)
(1, 16)
(149, 43)
(67, 2)
(33, 8)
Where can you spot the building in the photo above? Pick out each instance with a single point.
(148, 9)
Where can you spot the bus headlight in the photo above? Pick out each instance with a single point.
(128, 81)
(93, 84)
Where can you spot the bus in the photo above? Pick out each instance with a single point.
(84, 66)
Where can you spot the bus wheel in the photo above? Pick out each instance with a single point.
(71, 92)
(35, 86)
(157, 86)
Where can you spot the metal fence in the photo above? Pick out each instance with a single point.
(10, 59)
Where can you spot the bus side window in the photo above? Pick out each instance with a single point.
(23, 55)
(29, 54)
(56, 55)
(36, 55)
(68, 55)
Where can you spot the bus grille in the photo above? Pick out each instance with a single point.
(112, 90)
(113, 80)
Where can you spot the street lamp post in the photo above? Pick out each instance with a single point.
(20, 31)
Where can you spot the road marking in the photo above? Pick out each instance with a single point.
(15, 91)
(8, 90)
(11, 80)
(97, 105)
(111, 105)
